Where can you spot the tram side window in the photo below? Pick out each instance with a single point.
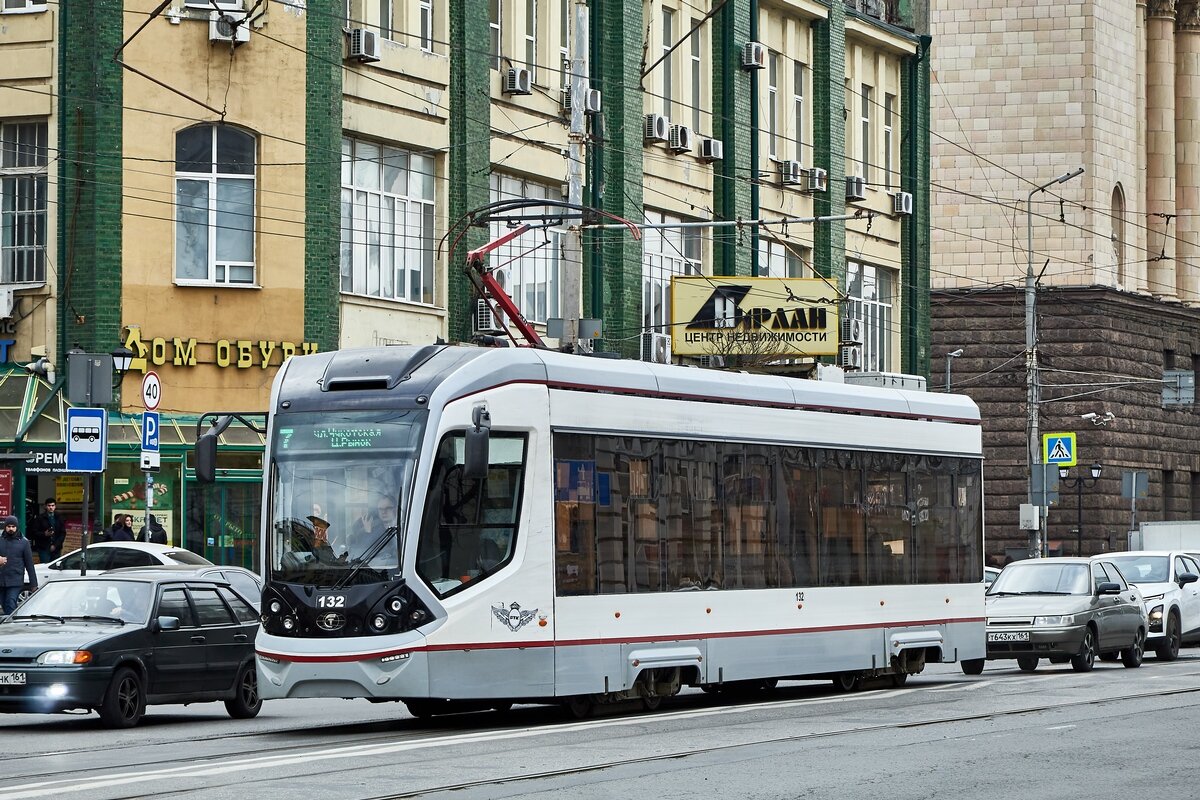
(888, 550)
(935, 551)
(576, 494)
(469, 526)
(968, 518)
(796, 510)
(843, 530)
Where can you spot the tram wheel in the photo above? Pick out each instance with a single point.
(848, 681)
(579, 706)
(899, 679)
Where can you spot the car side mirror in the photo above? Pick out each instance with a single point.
(166, 624)
(1109, 588)
(56, 565)
(1188, 577)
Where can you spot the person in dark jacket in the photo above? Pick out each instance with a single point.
(16, 561)
(122, 529)
(48, 532)
(152, 531)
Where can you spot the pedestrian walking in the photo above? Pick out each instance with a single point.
(152, 531)
(122, 529)
(48, 532)
(16, 562)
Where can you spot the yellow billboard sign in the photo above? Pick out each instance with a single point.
(784, 317)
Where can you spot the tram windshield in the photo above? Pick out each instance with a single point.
(340, 483)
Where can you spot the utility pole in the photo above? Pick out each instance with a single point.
(572, 273)
(1032, 378)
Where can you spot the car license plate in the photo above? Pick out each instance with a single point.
(1008, 636)
(12, 678)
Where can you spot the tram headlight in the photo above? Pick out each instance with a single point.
(379, 623)
(275, 607)
(418, 616)
(289, 624)
(396, 604)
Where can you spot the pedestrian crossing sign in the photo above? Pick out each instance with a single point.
(1058, 448)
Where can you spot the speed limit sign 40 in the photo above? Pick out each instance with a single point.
(151, 391)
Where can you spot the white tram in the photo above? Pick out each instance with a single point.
(458, 527)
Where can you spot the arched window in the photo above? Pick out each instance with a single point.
(214, 205)
(1118, 231)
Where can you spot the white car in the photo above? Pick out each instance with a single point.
(1168, 583)
(111, 555)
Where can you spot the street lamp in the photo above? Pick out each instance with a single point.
(122, 357)
(1077, 484)
(1033, 388)
(950, 356)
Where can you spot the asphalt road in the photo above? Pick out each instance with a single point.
(1054, 734)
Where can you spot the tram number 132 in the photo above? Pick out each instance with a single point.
(331, 601)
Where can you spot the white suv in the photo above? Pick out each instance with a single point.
(1168, 582)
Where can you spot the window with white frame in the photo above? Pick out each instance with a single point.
(564, 41)
(773, 105)
(388, 24)
(889, 110)
(23, 175)
(665, 252)
(531, 43)
(425, 25)
(865, 133)
(495, 27)
(777, 260)
(387, 239)
(528, 266)
(214, 205)
(697, 65)
(872, 292)
(668, 72)
(798, 109)
(18, 6)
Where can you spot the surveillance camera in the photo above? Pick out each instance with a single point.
(1091, 415)
(955, 353)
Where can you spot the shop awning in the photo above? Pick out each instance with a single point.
(33, 413)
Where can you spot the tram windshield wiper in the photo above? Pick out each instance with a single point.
(373, 550)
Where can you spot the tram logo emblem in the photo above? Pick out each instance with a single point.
(513, 616)
(331, 622)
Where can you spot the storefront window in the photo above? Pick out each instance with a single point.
(222, 522)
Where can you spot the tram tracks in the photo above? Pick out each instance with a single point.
(156, 778)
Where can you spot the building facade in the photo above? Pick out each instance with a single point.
(1020, 97)
(265, 179)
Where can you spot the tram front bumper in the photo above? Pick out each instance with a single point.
(387, 676)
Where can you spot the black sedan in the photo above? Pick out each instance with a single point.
(116, 644)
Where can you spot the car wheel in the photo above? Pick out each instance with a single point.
(246, 703)
(1086, 659)
(847, 681)
(1132, 657)
(1168, 649)
(124, 703)
(973, 666)
(1027, 663)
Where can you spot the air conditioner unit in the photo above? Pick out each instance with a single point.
(658, 128)
(228, 26)
(485, 320)
(852, 331)
(902, 203)
(712, 362)
(656, 348)
(850, 356)
(856, 187)
(754, 56)
(790, 173)
(818, 180)
(712, 150)
(364, 45)
(680, 139)
(518, 80)
(591, 101)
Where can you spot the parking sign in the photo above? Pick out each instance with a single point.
(87, 439)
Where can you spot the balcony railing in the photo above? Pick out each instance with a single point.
(893, 12)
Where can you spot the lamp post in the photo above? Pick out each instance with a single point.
(1077, 484)
(1033, 388)
(953, 354)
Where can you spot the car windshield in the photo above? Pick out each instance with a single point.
(338, 486)
(1043, 577)
(127, 601)
(1144, 569)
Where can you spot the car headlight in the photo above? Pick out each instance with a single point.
(65, 657)
(1150, 597)
(1156, 614)
(1054, 621)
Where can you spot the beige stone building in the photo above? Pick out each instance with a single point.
(1020, 96)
